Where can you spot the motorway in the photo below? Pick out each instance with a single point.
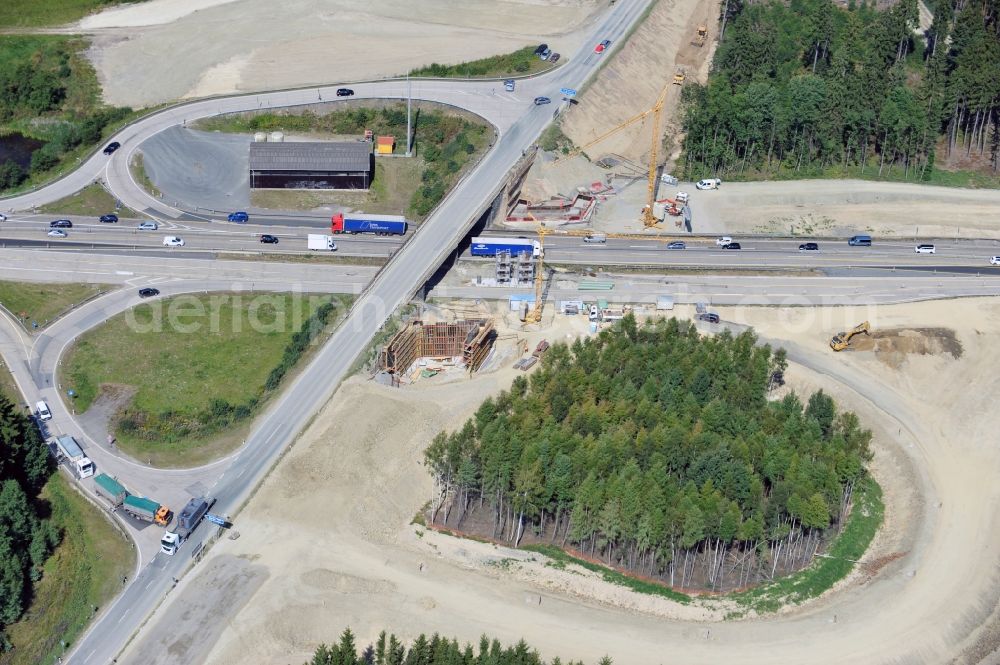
(518, 123)
(88, 255)
(961, 255)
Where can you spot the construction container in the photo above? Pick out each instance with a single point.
(384, 145)
(664, 303)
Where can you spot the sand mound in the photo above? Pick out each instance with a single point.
(892, 346)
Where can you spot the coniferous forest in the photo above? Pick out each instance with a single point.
(436, 650)
(26, 539)
(812, 87)
(657, 451)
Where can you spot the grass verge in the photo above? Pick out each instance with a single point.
(8, 387)
(522, 62)
(138, 168)
(184, 376)
(44, 303)
(862, 525)
(315, 257)
(82, 576)
(92, 201)
(36, 13)
(609, 575)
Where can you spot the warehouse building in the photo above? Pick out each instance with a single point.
(311, 165)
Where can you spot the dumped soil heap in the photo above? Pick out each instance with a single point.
(892, 346)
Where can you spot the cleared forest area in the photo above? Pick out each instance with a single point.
(656, 451)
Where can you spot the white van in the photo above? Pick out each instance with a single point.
(173, 241)
(43, 411)
(599, 238)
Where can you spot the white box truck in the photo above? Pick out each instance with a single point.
(323, 242)
(70, 451)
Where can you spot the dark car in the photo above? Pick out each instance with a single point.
(239, 217)
(111, 147)
(269, 239)
(554, 57)
(61, 224)
(708, 317)
(541, 49)
(148, 292)
(808, 247)
(732, 245)
(345, 92)
(110, 218)
(677, 245)
(542, 100)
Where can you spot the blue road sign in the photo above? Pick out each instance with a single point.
(569, 92)
(215, 520)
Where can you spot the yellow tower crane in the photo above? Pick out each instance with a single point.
(647, 217)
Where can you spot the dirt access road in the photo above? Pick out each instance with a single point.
(329, 530)
(163, 50)
(803, 208)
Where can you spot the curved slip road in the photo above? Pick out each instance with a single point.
(518, 121)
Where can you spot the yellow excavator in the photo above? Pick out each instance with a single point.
(842, 340)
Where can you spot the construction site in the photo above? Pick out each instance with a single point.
(424, 349)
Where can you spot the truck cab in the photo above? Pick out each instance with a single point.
(169, 543)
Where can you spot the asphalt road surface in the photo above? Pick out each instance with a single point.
(519, 123)
(759, 251)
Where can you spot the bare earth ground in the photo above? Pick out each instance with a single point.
(162, 50)
(632, 81)
(331, 525)
(805, 208)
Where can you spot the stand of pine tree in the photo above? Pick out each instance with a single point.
(437, 650)
(658, 452)
(26, 538)
(808, 86)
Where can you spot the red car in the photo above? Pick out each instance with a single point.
(603, 45)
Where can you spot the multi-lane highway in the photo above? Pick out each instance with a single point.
(762, 252)
(121, 254)
(518, 124)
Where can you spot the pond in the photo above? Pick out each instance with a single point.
(18, 148)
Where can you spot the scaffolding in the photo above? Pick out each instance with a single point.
(503, 267)
(511, 273)
(467, 343)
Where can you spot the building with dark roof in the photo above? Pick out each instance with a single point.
(311, 165)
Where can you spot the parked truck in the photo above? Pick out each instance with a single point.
(70, 451)
(110, 489)
(146, 510)
(483, 246)
(187, 522)
(382, 225)
(323, 242)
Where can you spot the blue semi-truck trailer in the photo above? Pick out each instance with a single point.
(484, 246)
(382, 225)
